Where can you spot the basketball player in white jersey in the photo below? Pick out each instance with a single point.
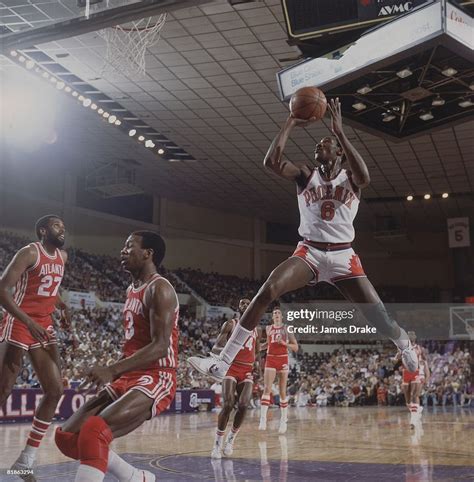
(328, 200)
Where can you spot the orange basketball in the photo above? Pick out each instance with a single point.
(308, 102)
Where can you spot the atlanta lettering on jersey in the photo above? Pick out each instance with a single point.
(134, 305)
(52, 269)
(323, 193)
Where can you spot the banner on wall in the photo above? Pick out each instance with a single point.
(458, 233)
(81, 299)
(22, 402)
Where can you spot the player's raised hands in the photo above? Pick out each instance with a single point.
(334, 106)
(301, 122)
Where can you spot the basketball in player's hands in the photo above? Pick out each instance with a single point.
(308, 103)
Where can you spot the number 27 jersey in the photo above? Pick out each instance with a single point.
(328, 208)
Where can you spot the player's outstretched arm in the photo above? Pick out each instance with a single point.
(24, 259)
(223, 336)
(274, 158)
(358, 167)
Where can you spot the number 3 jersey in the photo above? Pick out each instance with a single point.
(137, 323)
(36, 291)
(328, 208)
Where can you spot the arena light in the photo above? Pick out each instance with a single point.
(161, 151)
(426, 116)
(445, 195)
(438, 101)
(21, 58)
(105, 115)
(67, 89)
(74, 93)
(86, 102)
(45, 75)
(359, 106)
(427, 196)
(94, 106)
(60, 85)
(100, 111)
(149, 143)
(30, 64)
(81, 98)
(13, 53)
(118, 122)
(410, 198)
(132, 132)
(112, 119)
(449, 72)
(465, 103)
(53, 80)
(388, 117)
(404, 73)
(364, 90)
(141, 138)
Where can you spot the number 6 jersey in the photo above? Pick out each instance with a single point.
(37, 289)
(328, 208)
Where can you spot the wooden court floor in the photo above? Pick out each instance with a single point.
(321, 444)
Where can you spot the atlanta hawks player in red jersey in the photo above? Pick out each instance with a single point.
(278, 342)
(142, 383)
(413, 381)
(236, 386)
(29, 294)
(328, 200)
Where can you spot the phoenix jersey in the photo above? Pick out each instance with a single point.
(275, 334)
(137, 324)
(328, 208)
(37, 289)
(246, 355)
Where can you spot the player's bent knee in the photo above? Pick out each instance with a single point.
(67, 443)
(94, 439)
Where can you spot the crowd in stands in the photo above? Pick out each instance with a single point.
(350, 377)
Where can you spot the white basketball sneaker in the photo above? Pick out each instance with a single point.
(212, 366)
(216, 453)
(228, 449)
(24, 464)
(410, 358)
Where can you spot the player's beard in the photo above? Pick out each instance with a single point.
(55, 241)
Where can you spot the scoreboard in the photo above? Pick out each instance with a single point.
(307, 19)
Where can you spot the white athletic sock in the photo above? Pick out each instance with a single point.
(119, 468)
(402, 341)
(284, 411)
(218, 441)
(30, 451)
(86, 473)
(232, 434)
(234, 343)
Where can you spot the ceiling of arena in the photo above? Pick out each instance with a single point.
(211, 88)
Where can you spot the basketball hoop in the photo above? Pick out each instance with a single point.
(127, 45)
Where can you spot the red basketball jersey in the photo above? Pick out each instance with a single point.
(274, 335)
(246, 354)
(36, 291)
(137, 325)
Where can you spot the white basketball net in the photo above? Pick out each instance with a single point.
(126, 45)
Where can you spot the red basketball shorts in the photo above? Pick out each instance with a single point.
(16, 333)
(279, 363)
(159, 385)
(240, 373)
(411, 377)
